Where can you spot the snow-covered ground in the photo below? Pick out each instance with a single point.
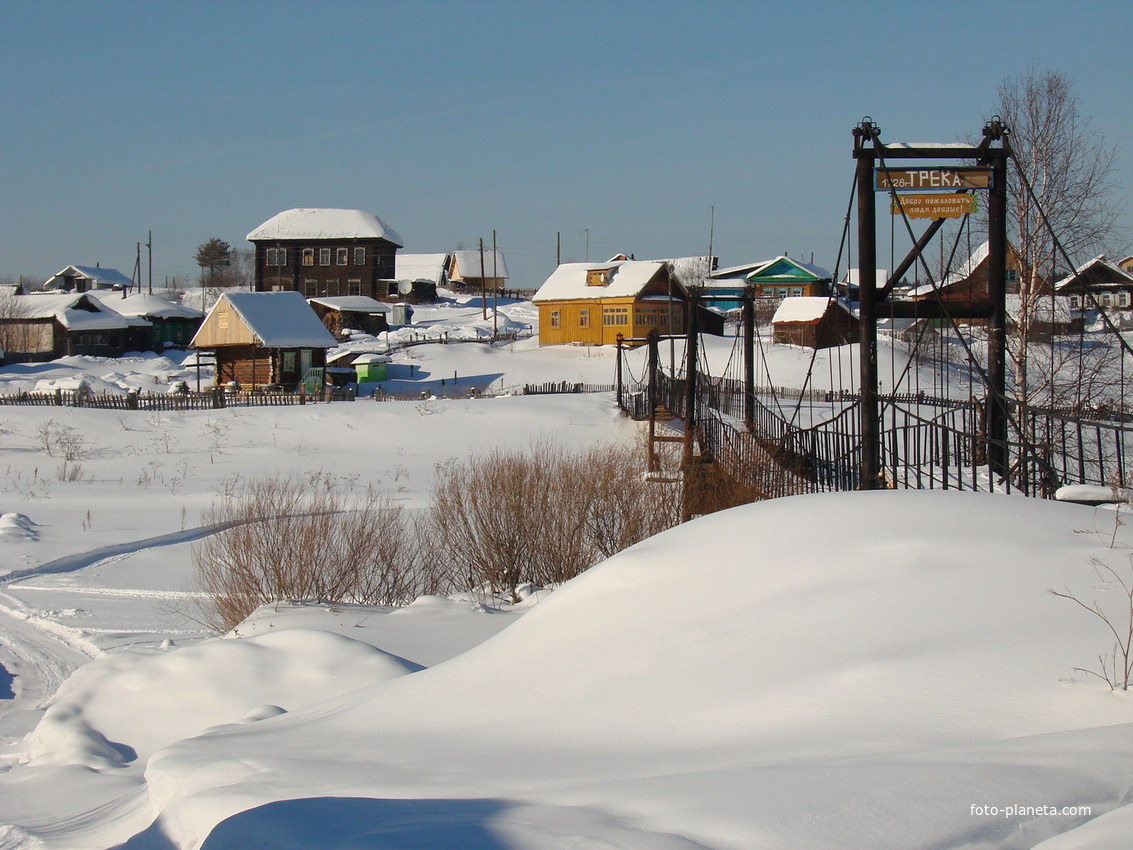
(862, 670)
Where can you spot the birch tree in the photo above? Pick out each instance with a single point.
(1069, 169)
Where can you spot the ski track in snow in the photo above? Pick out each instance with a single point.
(40, 653)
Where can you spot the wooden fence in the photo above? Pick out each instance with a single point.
(215, 399)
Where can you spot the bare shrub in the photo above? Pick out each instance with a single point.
(543, 516)
(62, 441)
(303, 538)
(1115, 667)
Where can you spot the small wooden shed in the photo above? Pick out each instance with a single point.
(813, 322)
(264, 338)
(351, 312)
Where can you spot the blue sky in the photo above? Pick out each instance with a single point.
(620, 126)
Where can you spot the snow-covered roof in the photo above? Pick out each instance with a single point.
(810, 268)
(420, 267)
(880, 277)
(736, 271)
(627, 279)
(304, 223)
(145, 305)
(802, 308)
(467, 264)
(352, 304)
(1045, 308)
(1115, 274)
(279, 319)
(98, 276)
(67, 311)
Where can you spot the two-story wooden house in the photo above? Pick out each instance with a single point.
(324, 253)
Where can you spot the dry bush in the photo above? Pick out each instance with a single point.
(303, 538)
(543, 516)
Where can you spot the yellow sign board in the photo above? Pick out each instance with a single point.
(935, 205)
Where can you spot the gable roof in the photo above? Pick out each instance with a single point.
(147, 306)
(97, 275)
(627, 280)
(783, 268)
(76, 311)
(275, 319)
(1099, 265)
(467, 264)
(315, 223)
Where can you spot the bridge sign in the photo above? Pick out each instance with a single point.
(935, 205)
(920, 179)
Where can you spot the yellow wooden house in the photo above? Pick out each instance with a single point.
(592, 303)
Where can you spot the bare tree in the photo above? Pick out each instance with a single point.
(1062, 199)
(16, 336)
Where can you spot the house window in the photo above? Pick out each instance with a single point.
(1123, 299)
(310, 287)
(796, 290)
(781, 292)
(354, 286)
(288, 361)
(597, 277)
(359, 256)
(1075, 302)
(275, 257)
(612, 316)
(308, 256)
(584, 318)
(1107, 299)
(1012, 275)
(343, 256)
(324, 256)
(554, 318)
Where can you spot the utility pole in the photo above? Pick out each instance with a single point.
(495, 290)
(558, 248)
(587, 232)
(137, 270)
(483, 285)
(149, 248)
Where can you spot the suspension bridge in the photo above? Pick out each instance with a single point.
(945, 415)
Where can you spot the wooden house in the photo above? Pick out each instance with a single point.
(352, 312)
(326, 253)
(813, 322)
(1126, 264)
(155, 324)
(1099, 284)
(783, 277)
(86, 279)
(969, 283)
(473, 271)
(593, 303)
(46, 326)
(264, 338)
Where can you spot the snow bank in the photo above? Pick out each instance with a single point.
(126, 705)
(740, 681)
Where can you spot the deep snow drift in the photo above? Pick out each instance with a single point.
(740, 681)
